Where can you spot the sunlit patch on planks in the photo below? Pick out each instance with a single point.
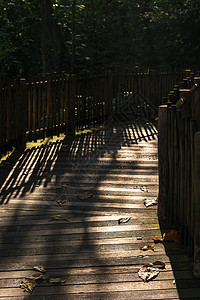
(77, 208)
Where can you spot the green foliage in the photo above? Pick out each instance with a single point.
(19, 31)
(109, 34)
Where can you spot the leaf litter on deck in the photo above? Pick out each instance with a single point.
(170, 236)
(29, 283)
(151, 270)
(150, 202)
(61, 202)
(84, 195)
(147, 247)
(39, 268)
(148, 272)
(124, 220)
(57, 218)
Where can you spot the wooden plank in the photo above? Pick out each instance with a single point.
(98, 257)
(90, 288)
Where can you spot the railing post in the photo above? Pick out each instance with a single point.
(163, 161)
(23, 113)
(197, 206)
(109, 95)
(152, 86)
(71, 106)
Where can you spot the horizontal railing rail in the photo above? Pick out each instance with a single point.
(46, 105)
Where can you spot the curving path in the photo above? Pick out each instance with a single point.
(47, 219)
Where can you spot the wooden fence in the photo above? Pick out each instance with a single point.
(12, 115)
(43, 106)
(179, 164)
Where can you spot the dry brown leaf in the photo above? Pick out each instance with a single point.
(56, 280)
(148, 265)
(159, 264)
(143, 256)
(62, 186)
(84, 195)
(124, 220)
(157, 240)
(39, 268)
(170, 236)
(44, 277)
(35, 277)
(60, 202)
(147, 247)
(28, 285)
(150, 202)
(144, 188)
(57, 218)
(147, 273)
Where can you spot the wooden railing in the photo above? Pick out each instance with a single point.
(179, 164)
(50, 105)
(43, 106)
(12, 115)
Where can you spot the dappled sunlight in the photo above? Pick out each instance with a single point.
(66, 210)
(33, 169)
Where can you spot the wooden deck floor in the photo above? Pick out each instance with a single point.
(96, 257)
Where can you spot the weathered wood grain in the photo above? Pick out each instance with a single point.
(98, 257)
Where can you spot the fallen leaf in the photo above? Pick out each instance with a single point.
(148, 265)
(141, 188)
(124, 220)
(56, 280)
(144, 188)
(28, 285)
(157, 240)
(143, 256)
(150, 202)
(170, 236)
(147, 247)
(84, 195)
(62, 186)
(147, 273)
(44, 277)
(159, 264)
(57, 218)
(139, 238)
(60, 202)
(35, 277)
(39, 268)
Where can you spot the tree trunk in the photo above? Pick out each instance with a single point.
(49, 24)
(44, 37)
(73, 35)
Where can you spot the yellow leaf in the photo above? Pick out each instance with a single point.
(28, 285)
(147, 247)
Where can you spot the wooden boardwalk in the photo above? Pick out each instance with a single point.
(46, 221)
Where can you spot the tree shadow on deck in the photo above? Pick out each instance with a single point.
(45, 182)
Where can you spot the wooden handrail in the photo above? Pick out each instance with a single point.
(56, 103)
(179, 167)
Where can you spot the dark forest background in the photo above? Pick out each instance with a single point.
(40, 36)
